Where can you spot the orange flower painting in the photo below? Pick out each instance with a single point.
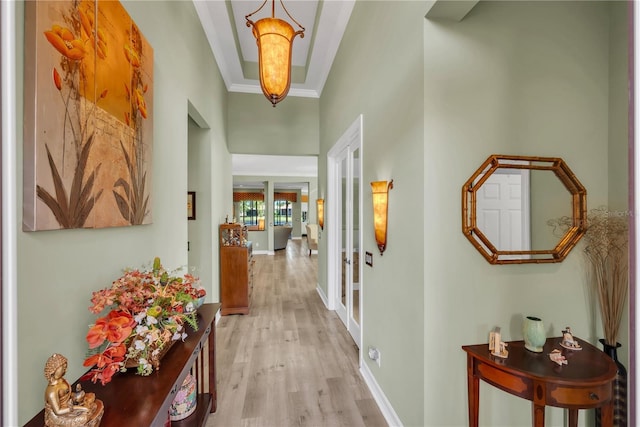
(88, 117)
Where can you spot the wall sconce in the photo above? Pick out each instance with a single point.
(274, 38)
(320, 210)
(380, 191)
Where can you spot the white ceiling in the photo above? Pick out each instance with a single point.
(232, 42)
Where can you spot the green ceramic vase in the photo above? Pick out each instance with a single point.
(534, 335)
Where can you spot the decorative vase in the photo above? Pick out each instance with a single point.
(534, 335)
(184, 404)
(619, 388)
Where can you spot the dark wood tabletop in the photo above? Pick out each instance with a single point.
(134, 400)
(587, 365)
(586, 381)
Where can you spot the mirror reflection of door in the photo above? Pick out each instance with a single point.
(503, 213)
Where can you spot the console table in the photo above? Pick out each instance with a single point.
(134, 400)
(585, 382)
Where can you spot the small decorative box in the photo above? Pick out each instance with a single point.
(185, 401)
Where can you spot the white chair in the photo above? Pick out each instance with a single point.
(312, 237)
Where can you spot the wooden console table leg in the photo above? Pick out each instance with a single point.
(573, 417)
(212, 367)
(606, 415)
(538, 415)
(473, 392)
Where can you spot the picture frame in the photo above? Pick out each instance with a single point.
(191, 205)
(88, 117)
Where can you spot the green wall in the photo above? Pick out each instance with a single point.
(255, 127)
(378, 72)
(526, 78)
(58, 270)
(437, 97)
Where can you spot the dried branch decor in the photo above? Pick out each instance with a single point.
(606, 244)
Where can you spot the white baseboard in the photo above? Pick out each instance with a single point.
(323, 297)
(261, 252)
(382, 401)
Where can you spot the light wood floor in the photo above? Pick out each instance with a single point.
(290, 362)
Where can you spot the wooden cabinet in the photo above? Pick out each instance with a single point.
(134, 400)
(236, 269)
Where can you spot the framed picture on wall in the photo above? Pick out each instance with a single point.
(191, 205)
(88, 117)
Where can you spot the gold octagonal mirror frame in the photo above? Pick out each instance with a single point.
(487, 248)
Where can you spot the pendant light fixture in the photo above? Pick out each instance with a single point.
(274, 38)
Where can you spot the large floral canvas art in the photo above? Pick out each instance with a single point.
(88, 123)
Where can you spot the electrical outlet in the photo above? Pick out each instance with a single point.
(374, 354)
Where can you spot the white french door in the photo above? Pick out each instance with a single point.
(344, 237)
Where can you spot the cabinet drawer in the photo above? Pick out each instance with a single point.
(520, 386)
(584, 397)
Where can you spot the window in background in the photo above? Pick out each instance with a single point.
(252, 213)
(249, 209)
(282, 212)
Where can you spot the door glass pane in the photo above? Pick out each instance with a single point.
(343, 238)
(355, 230)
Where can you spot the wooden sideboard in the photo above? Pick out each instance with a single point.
(134, 400)
(236, 269)
(585, 382)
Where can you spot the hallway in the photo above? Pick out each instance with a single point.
(290, 362)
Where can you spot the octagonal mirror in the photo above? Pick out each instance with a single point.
(508, 201)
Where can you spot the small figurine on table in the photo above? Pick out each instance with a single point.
(497, 347)
(502, 350)
(568, 340)
(62, 406)
(557, 356)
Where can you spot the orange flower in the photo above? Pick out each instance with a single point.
(97, 333)
(101, 44)
(132, 55)
(110, 355)
(86, 19)
(107, 373)
(57, 80)
(104, 93)
(142, 105)
(127, 120)
(103, 374)
(65, 43)
(115, 327)
(120, 325)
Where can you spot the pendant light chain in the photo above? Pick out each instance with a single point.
(289, 15)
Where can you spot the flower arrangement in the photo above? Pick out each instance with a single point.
(147, 310)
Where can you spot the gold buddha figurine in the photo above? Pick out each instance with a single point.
(64, 407)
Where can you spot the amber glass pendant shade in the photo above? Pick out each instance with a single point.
(274, 38)
(380, 190)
